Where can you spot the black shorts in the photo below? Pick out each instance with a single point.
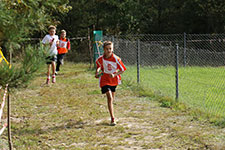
(60, 58)
(51, 59)
(107, 88)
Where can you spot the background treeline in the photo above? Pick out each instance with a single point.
(145, 16)
(29, 18)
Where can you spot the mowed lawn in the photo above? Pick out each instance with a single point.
(199, 87)
(72, 115)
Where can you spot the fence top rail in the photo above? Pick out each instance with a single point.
(137, 35)
(167, 35)
(73, 38)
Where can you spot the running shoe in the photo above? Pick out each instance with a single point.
(53, 79)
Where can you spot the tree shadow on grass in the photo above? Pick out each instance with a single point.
(29, 130)
(70, 124)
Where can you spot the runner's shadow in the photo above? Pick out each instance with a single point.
(78, 124)
(103, 124)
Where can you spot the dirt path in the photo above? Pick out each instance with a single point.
(154, 127)
(72, 114)
(148, 126)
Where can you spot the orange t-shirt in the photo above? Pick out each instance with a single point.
(109, 66)
(64, 46)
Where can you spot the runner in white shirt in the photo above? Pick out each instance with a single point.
(47, 40)
(52, 41)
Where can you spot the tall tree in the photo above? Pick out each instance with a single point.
(146, 16)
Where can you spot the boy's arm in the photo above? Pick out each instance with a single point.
(57, 43)
(50, 43)
(97, 72)
(68, 45)
(116, 74)
(121, 68)
(45, 43)
(44, 40)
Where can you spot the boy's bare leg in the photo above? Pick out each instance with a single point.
(48, 73)
(53, 68)
(53, 72)
(48, 70)
(113, 95)
(109, 95)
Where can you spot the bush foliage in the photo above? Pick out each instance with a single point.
(19, 74)
(21, 20)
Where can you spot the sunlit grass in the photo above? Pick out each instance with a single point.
(72, 114)
(199, 87)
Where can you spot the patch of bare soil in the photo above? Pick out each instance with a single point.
(148, 126)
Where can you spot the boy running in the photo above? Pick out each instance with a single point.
(64, 46)
(111, 67)
(52, 41)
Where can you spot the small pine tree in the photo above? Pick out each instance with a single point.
(23, 71)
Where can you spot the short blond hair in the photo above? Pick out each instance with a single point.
(51, 27)
(63, 31)
(107, 43)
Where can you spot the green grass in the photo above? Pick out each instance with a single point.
(199, 87)
(72, 114)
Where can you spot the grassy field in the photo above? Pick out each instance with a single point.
(72, 115)
(199, 87)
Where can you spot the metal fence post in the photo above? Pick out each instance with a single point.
(89, 47)
(138, 60)
(185, 44)
(176, 76)
(113, 39)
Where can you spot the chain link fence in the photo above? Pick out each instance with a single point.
(151, 61)
(79, 52)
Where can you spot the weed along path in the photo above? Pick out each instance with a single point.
(72, 114)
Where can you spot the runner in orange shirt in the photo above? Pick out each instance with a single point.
(64, 46)
(111, 67)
